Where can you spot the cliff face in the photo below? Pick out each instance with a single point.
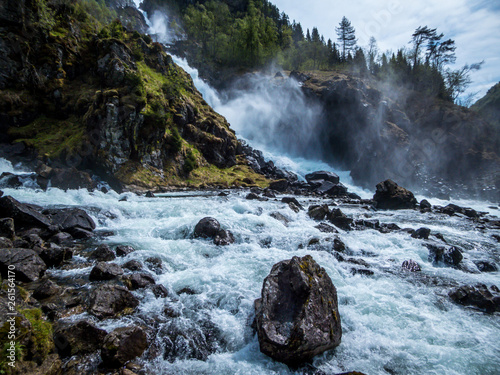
(489, 105)
(77, 94)
(381, 133)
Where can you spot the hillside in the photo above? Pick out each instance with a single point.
(80, 90)
(489, 105)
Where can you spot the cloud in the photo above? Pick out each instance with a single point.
(473, 24)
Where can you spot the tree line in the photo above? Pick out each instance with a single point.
(250, 34)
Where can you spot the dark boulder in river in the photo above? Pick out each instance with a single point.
(390, 196)
(479, 295)
(297, 317)
(208, 227)
(322, 175)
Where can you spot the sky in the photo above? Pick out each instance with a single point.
(473, 24)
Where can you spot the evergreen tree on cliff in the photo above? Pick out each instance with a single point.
(347, 37)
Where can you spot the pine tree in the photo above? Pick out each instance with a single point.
(347, 37)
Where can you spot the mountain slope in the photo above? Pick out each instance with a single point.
(81, 91)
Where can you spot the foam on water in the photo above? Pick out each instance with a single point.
(394, 321)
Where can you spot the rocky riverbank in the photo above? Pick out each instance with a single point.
(60, 321)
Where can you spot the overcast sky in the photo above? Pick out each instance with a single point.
(473, 24)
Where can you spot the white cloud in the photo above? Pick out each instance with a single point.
(473, 24)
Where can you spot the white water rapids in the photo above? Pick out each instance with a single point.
(394, 322)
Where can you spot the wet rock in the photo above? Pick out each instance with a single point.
(5, 242)
(81, 337)
(10, 180)
(133, 265)
(362, 272)
(479, 295)
(439, 254)
(326, 228)
(338, 245)
(421, 233)
(55, 256)
(317, 212)
(293, 200)
(23, 215)
(424, 204)
(339, 219)
(105, 271)
(297, 317)
(390, 196)
(223, 238)
(71, 178)
(269, 193)
(252, 196)
(106, 301)
(150, 194)
(71, 220)
(280, 217)
(339, 190)
(7, 229)
(411, 265)
(61, 238)
(122, 251)
(485, 266)
(122, 345)
(103, 254)
(46, 289)
(363, 223)
(28, 266)
(159, 291)
(139, 280)
(279, 185)
(222, 194)
(322, 175)
(155, 264)
(187, 290)
(294, 208)
(207, 227)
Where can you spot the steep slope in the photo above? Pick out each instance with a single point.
(489, 105)
(80, 91)
(420, 141)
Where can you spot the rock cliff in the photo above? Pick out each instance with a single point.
(80, 90)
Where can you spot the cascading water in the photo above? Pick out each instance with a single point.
(394, 322)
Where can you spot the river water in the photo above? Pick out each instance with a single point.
(394, 322)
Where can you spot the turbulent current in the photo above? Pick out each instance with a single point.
(394, 322)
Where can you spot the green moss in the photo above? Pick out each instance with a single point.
(41, 332)
(51, 137)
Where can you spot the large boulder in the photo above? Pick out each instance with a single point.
(317, 212)
(23, 215)
(451, 256)
(71, 220)
(478, 296)
(297, 316)
(322, 175)
(71, 178)
(105, 271)
(390, 196)
(26, 264)
(107, 301)
(339, 219)
(122, 345)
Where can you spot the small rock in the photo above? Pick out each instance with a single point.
(61, 238)
(362, 272)
(451, 256)
(81, 337)
(269, 193)
(326, 228)
(159, 291)
(390, 196)
(46, 289)
(106, 301)
(338, 245)
(55, 256)
(139, 280)
(339, 219)
(421, 233)
(317, 212)
(279, 185)
(224, 237)
(105, 271)
(252, 196)
(27, 264)
(411, 265)
(477, 295)
(103, 253)
(7, 229)
(5, 243)
(150, 194)
(293, 200)
(155, 264)
(122, 345)
(485, 266)
(280, 217)
(424, 204)
(123, 250)
(222, 194)
(133, 265)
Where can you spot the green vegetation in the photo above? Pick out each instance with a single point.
(41, 333)
(52, 137)
(225, 34)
